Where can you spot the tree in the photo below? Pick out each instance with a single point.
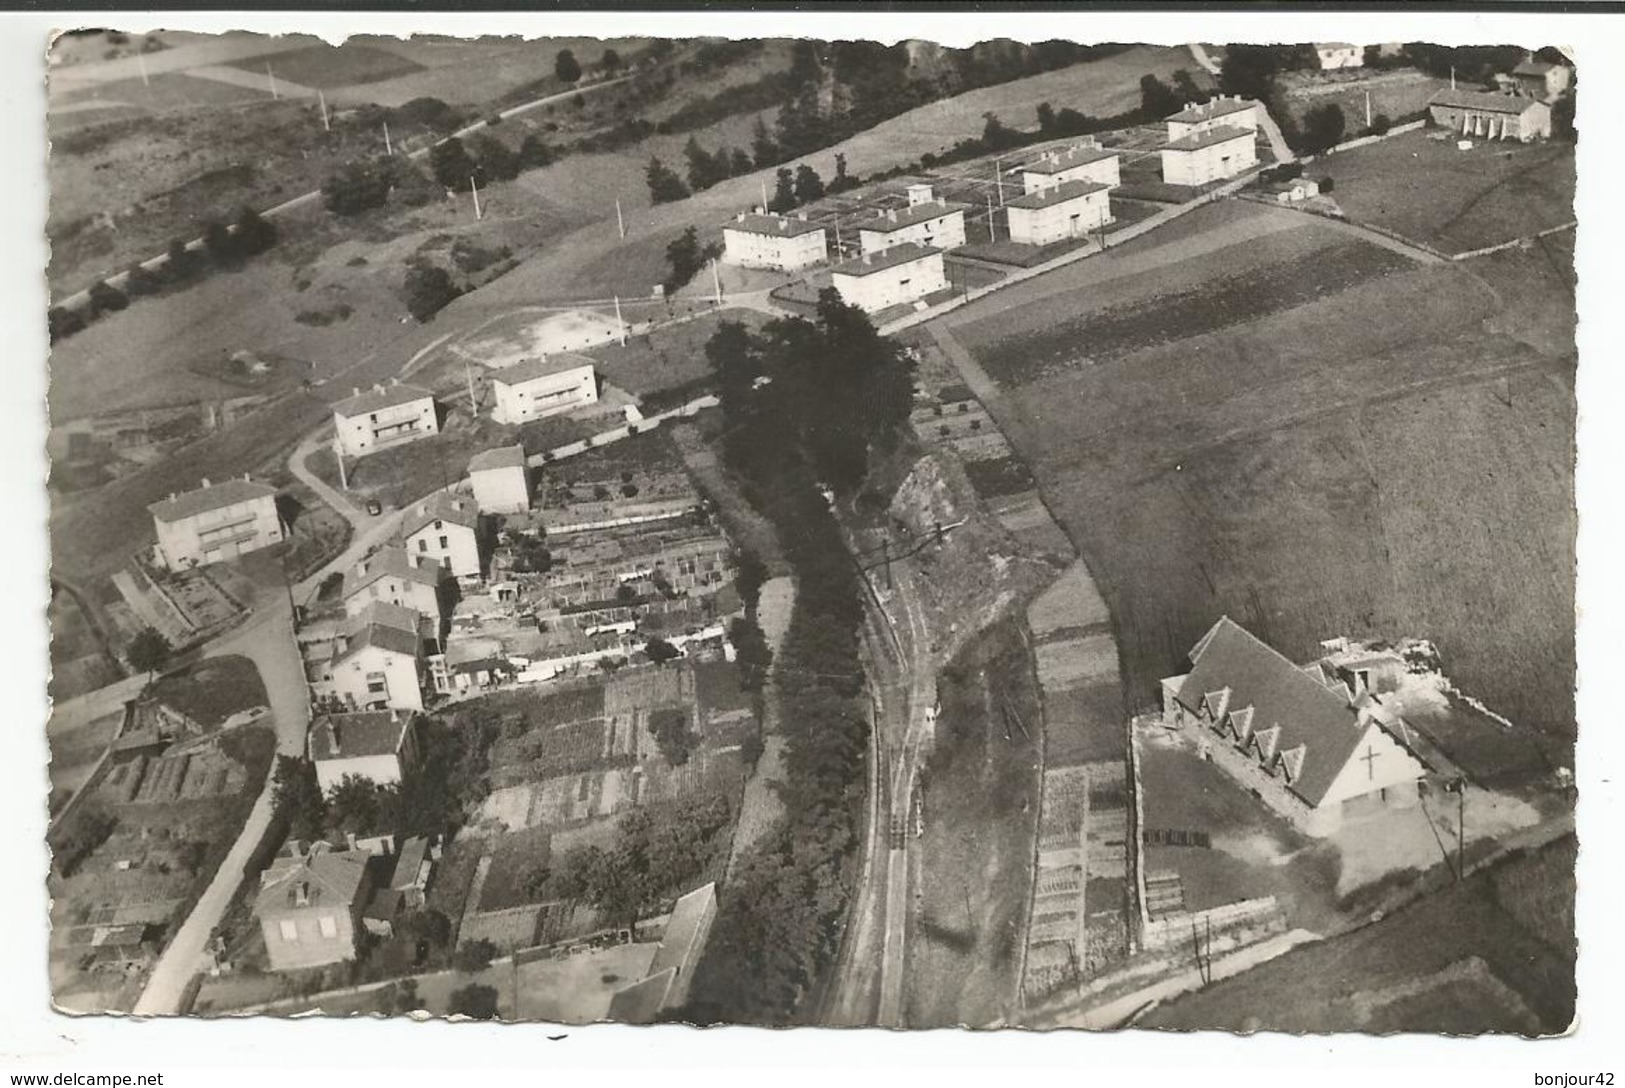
(784, 192)
(610, 62)
(738, 162)
(472, 957)
(1322, 128)
(750, 573)
(1249, 70)
(149, 651)
(79, 837)
(496, 160)
(106, 299)
(219, 243)
(1046, 118)
(995, 135)
(254, 234)
(686, 257)
(138, 281)
(296, 798)
(180, 261)
(809, 186)
(428, 289)
(474, 1001)
(534, 153)
(762, 148)
(751, 652)
(703, 169)
(566, 67)
(427, 925)
(660, 651)
(664, 184)
(1157, 99)
(452, 165)
(357, 805)
(63, 321)
(669, 727)
(354, 188)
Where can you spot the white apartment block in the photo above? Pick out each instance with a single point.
(1209, 156)
(1333, 55)
(1082, 162)
(1226, 111)
(1068, 210)
(215, 522)
(382, 417)
(543, 386)
(901, 274)
(926, 221)
(501, 480)
(444, 528)
(775, 242)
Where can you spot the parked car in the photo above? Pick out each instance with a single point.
(374, 507)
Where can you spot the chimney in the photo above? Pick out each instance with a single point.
(802, 215)
(333, 732)
(355, 390)
(891, 215)
(740, 218)
(349, 839)
(205, 482)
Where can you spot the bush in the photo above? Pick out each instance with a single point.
(473, 956)
(428, 289)
(354, 188)
(1325, 184)
(138, 281)
(1380, 124)
(62, 322)
(476, 1002)
(105, 298)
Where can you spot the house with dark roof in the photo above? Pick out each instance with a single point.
(379, 745)
(1070, 209)
(1298, 738)
(905, 273)
(777, 242)
(1225, 111)
(1205, 155)
(445, 527)
(309, 906)
(1489, 116)
(382, 417)
(543, 385)
(1541, 79)
(377, 661)
(215, 522)
(394, 576)
(1334, 55)
(926, 221)
(1087, 161)
(671, 972)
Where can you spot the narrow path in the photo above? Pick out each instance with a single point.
(1199, 54)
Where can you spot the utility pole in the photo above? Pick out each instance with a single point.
(716, 281)
(321, 100)
(1452, 77)
(619, 324)
(1461, 829)
(998, 180)
(389, 148)
(468, 374)
(475, 189)
(338, 455)
(141, 61)
(270, 75)
(1368, 109)
(620, 223)
(992, 235)
(764, 195)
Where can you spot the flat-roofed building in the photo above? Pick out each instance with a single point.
(501, 480)
(901, 274)
(777, 242)
(1081, 162)
(384, 416)
(215, 522)
(543, 386)
(927, 221)
(1069, 210)
(1226, 111)
(1208, 156)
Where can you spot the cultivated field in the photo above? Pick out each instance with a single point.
(1320, 468)
(1455, 201)
(670, 359)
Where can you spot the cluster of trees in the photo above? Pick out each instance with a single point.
(364, 184)
(225, 246)
(670, 729)
(838, 392)
(427, 289)
(685, 257)
(79, 837)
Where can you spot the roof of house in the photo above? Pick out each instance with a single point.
(1222, 134)
(776, 226)
(686, 929)
(380, 397)
(210, 497)
(386, 563)
(1070, 158)
(382, 635)
(384, 905)
(1206, 111)
(385, 614)
(913, 214)
(1485, 101)
(870, 263)
(457, 509)
(642, 1001)
(409, 863)
(1280, 694)
(327, 878)
(540, 366)
(1057, 194)
(1533, 68)
(362, 733)
(1334, 45)
(500, 457)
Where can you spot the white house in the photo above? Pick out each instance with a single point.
(376, 663)
(446, 528)
(391, 575)
(901, 274)
(1082, 162)
(1069, 210)
(215, 522)
(781, 243)
(1541, 79)
(1333, 55)
(926, 221)
(1208, 156)
(543, 386)
(1225, 111)
(1296, 737)
(384, 416)
(501, 480)
(1492, 116)
(380, 745)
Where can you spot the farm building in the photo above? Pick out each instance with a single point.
(543, 386)
(378, 745)
(1082, 162)
(902, 274)
(445, 528)
(374, 663)
(1292, 190)
(1226, 111)
(215, 522)
(1334, 55)
(1208, 156)
(1492, 116)
(1068, 210)
(927, 221)
(1296, 737)
(309, 906)
(382, 417)
(777, 242)
(1541, 79)
(391, 575)
(501, 480)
